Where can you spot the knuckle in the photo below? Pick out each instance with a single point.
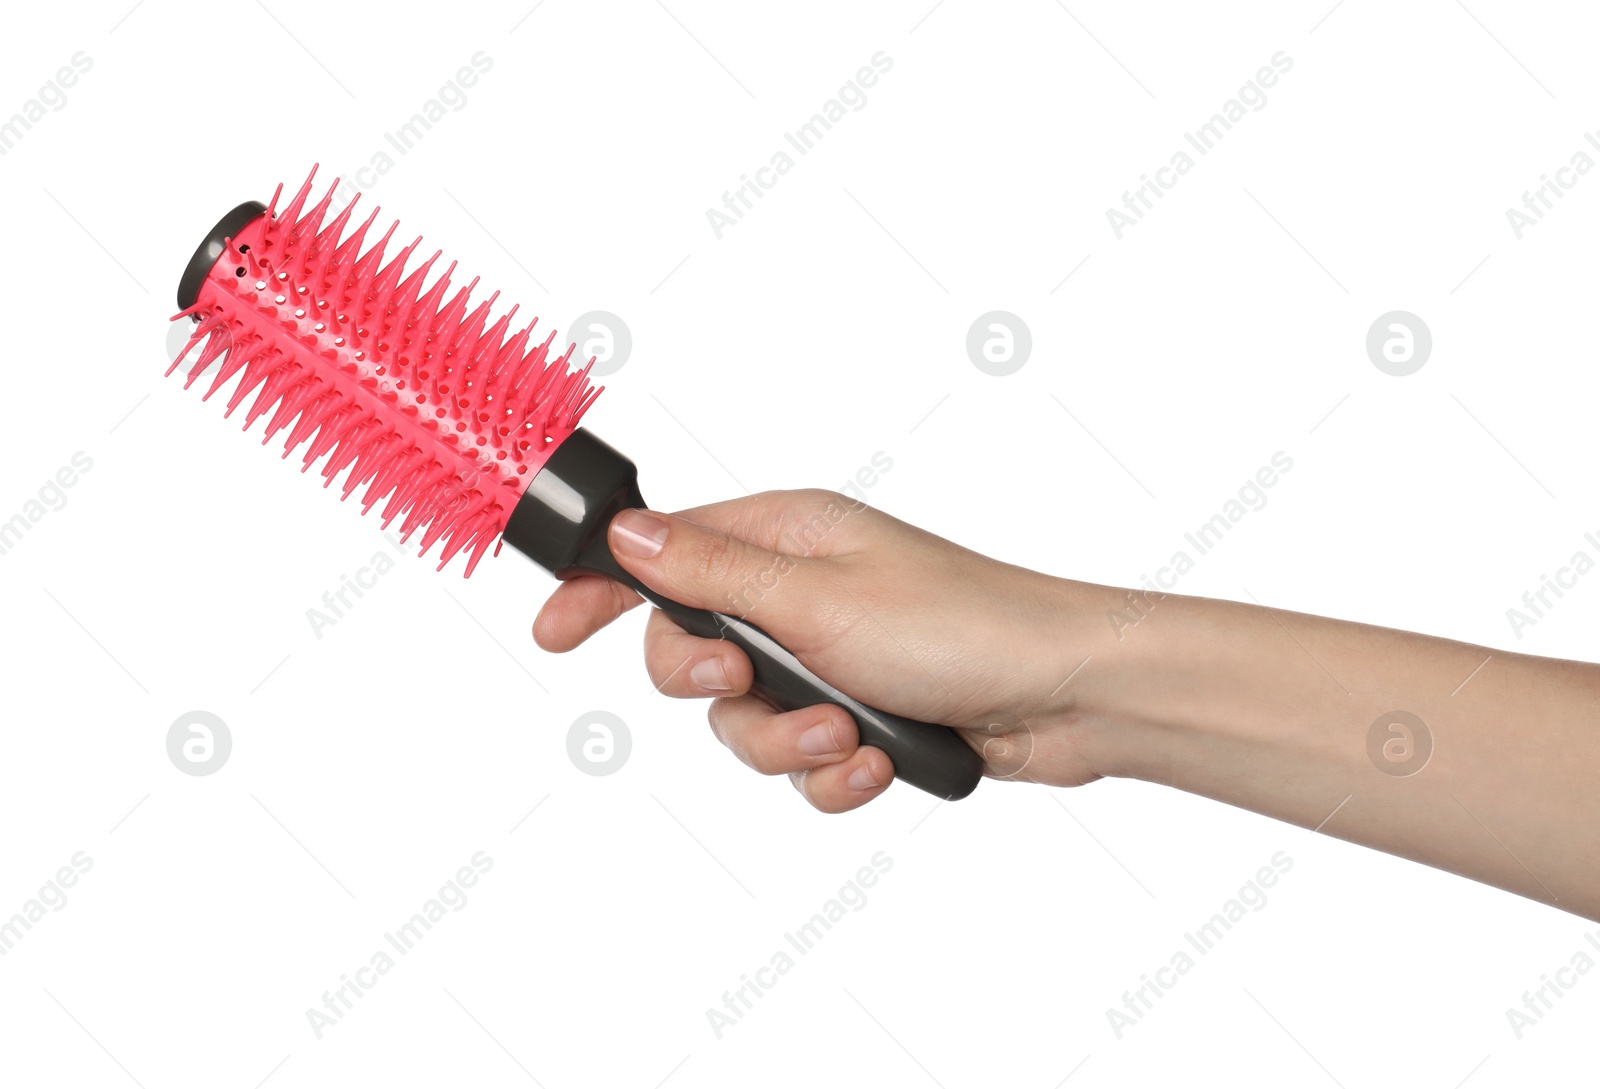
(842, 725)
(765, 761)
(716, 559)
(806, 783)
(825, 507)
(823, 802)
(746, 740)
(668, 654)
(662, 668)
(819, 498)
(824, 522)
(716, 716)
(801, 781)
(654, 655)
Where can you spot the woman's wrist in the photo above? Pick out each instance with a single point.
(1095, 656)
(1165, 684)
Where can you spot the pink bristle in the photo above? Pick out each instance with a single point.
(446, 328)
(326, 244)
(260, 364)
(426, 312)
(428, 403)
(390, 475)
(285, 378)
(369, 459)
(341, 264)
(410, 492)
(312, 413)
(466, 340)
(208, 326)
(383, 287)
(488, 536)
(508, 369)
(532, 376)
(333, 429)
(407, 298)
(364, 272)
(290, 405)
(304, 231)
(351, 441)
(237, 355)
(463, 531)
(290, 216)
(272, 205)
(435, 530)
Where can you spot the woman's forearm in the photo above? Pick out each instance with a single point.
(1472, 760)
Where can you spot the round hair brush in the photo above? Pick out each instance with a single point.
(463, 430)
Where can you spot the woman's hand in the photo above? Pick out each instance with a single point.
(1277, 712)
(888, 613)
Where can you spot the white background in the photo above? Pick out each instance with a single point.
(828, 325)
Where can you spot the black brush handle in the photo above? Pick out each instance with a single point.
(561, 524)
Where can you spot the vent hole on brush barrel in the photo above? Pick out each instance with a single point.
(239, 271)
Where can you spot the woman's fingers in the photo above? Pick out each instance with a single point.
(725, 556)
(778, 742)
(580, 607)
(818, 748)
(841, 787)
(688, 667)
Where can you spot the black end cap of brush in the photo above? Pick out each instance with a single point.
(205, 257)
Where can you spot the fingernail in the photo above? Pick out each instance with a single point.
(638, 534)
(862, 779)
(710, 675)
(818, 741)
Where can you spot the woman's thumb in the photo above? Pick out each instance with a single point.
(701, 567)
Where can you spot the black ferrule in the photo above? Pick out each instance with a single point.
(560, 523)
(206, 254)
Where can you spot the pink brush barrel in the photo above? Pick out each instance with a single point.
(427, 404)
